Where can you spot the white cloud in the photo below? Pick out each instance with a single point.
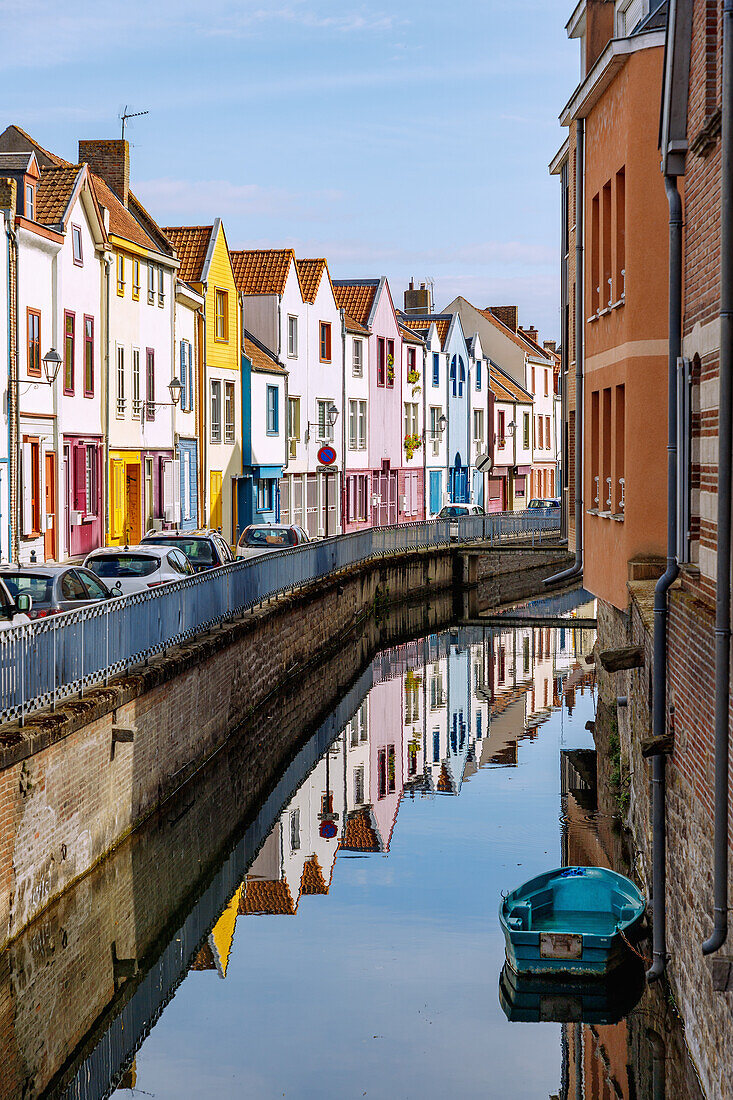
(206, 199)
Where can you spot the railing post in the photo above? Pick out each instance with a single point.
(55, 621)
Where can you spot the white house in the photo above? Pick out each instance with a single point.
(264, 436)
(412, 476)
(188, 329)
(355, 423)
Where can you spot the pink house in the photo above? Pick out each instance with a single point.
(369, 303)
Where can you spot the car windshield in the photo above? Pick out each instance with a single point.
(199, 551)
(451, 511)
(34, 585)
(267, 536)
(536, 503)
(123, 565)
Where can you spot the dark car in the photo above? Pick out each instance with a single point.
(55, 588)
(204, 549)
(538, 503)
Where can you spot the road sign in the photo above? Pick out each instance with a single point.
(484, 463)
(327, 456)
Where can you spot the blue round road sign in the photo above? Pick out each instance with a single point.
(327, 456)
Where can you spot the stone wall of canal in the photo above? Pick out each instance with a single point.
(706, 1014)
(70, 792)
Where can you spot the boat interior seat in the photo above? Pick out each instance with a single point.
(520, 918)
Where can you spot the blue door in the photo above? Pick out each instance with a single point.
(459, 483)
(188, 460)
(436, 491)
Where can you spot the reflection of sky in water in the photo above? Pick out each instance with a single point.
(387, 987)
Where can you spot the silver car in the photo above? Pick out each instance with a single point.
(54, 588)
(137, 568)
(263, 538)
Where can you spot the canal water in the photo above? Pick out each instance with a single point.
(359, 954)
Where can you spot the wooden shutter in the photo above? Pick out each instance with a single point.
(27, 487)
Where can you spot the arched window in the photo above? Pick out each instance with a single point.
(461, 377)
(453, 376)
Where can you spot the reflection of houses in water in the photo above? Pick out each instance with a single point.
(438, 709)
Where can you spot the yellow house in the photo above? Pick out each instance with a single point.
(205, 264)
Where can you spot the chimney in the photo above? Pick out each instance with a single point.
(530, 331)
(417, 301)
(111, 161)
(550, 345)
(508, 315)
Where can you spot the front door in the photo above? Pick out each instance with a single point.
(435, 491)
(49, 538)
(215, 479)
(133, 533)
(149, 495)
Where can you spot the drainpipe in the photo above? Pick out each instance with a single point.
(725, 440)
(16, 453)
(12, 246)
(576, 568)
(659, 671)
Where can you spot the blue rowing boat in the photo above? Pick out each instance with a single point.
(565, 999)
(570, 921)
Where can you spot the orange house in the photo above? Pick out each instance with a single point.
(624, 296)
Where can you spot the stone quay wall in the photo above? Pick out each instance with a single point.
(707, 1015)
(70, 787)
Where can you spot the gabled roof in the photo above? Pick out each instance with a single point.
(18, 162)
(533, 346)
(191, 242)
(260, 357)
(421, 324)
(312, 880)
(265, 897)
(354, 327)
(409, 335)
(360, 834)
(54, 192)
(504, 388)
(122, 223)
(310, 273)
(357, 297)
(501, 326)
(262, 270)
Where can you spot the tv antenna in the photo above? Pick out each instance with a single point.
(130, 114)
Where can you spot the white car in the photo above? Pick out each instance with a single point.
(131, 569)
(263, 538)
(456, 512)
(13, 612)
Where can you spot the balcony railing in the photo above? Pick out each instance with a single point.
(50, 659)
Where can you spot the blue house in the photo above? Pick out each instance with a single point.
(264, 405)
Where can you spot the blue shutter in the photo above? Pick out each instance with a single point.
(184, 379)
(189, 356)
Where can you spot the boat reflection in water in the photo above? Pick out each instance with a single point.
(533, 999)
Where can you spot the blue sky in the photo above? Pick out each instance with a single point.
(407, 140)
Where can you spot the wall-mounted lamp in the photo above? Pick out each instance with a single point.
(175, 389)
(51, 365)
(511, 428)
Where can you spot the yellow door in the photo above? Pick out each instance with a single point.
(215, 499)
(117, 510)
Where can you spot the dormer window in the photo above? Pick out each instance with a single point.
(629, 13)
(30, 201)
(76, 245)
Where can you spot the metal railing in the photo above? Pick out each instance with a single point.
(53, 658)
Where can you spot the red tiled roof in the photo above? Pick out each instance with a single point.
(191, 242)
(121, 222)
(353, 326)
(310, 273)
(261, 270)
(359, 835)
(410, 335)
(204, 960)
(261, 359)
(356, 299)
(501, 327)
(312, 880)
(506, 389)
(261, 897)
(55, 188)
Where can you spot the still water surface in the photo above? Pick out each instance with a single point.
(349, 944)
(361, 954)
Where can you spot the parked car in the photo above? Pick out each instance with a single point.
(204, 549)
(262, 538)
(136, 568)
(538, 503)
(14, 610)
(455, 511)
(54, 588)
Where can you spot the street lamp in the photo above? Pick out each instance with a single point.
(175, 389)
(442, 423)
(333, 415)
(51, 365)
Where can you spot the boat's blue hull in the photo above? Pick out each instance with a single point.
(571, 922)
(568, 999)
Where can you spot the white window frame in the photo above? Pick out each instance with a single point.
(292, 336)
(215, 404)
(120, 382)
(325, 429)
(135, 384)
(357, 358)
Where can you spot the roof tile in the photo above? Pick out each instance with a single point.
(261, 270)
(55, 188)
(310, 273)
(121, 222)
(356, 298)
(264, 897)
(260, 358)
(191, 242)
